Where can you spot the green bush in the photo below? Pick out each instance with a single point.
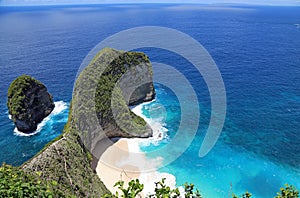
(132, 191)
(164, 191)
(288, 192)
(161, 190)
(246, 195)
(16, 183)
(189, 191)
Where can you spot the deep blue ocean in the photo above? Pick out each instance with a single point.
(256, 48)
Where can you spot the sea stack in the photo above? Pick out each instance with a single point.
(28, 103)
(115, 79)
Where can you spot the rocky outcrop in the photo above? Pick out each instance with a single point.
(136, 81)
(28, 103)
(104, 89)
(113, 80)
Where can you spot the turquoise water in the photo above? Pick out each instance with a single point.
(256, 49)
(226, 169)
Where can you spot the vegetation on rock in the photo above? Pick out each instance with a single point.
(101, 101)
(16, 183)
(105, 98)
(66, 162)
(28, 103)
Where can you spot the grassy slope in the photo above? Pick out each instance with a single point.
(67, 162)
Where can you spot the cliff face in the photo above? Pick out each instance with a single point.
(28, 102)
(130, 73)
(113, 80)
(136, 81)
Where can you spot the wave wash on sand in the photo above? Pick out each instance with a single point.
(131, 162)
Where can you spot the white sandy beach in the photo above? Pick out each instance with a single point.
(124, 161)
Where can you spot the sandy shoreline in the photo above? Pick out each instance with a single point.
(125, 161)
(111, 167)
(120, 162)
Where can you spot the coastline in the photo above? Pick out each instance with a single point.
(125, 161)
(60, 106)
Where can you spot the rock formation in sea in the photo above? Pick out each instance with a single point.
(28, 103)
(112, 81)
(120, 79)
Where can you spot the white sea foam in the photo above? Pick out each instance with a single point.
(157, 125)
(60, 106)
(159, 133)
(147, 167)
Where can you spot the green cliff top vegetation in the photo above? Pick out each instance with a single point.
(16, 94)
(99, 82)
(106, 84)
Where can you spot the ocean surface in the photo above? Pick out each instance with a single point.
(256, 48)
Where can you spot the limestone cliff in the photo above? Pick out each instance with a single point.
(104, 89)
(28, 103)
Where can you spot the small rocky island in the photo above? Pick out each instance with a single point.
(28, 103)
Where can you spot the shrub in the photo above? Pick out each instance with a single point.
(16, 183)
(288, 192)
(161, 190)
(164, 191)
